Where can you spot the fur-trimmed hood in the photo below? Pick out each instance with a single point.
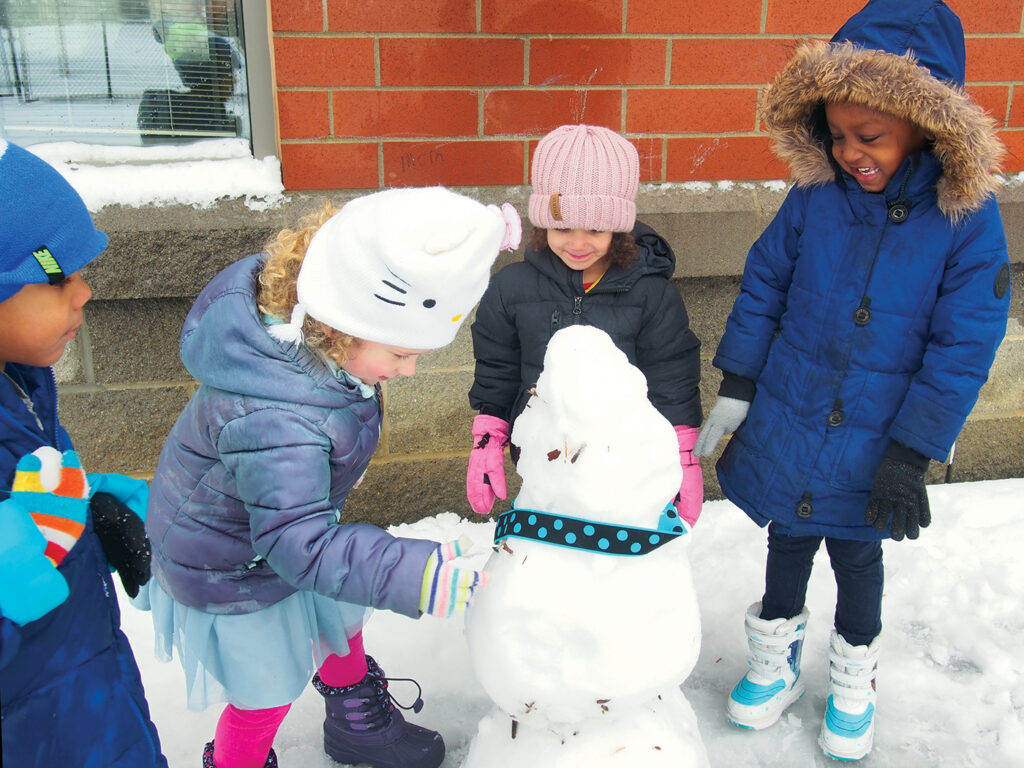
(877, 60)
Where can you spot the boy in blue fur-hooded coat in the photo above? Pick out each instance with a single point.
(869, 314)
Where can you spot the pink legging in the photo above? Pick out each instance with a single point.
(244, 736)
(338, 671)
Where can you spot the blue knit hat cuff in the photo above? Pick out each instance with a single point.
(47, 233)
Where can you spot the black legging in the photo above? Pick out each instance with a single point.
(859, 577)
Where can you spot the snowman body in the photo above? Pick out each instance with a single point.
(583, 650)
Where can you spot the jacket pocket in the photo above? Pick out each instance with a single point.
(863, 437)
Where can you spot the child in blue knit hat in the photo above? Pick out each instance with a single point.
(72, 695)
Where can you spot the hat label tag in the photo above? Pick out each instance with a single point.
(555, 206)
(49, 264)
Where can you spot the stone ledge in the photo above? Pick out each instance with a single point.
(172, 251)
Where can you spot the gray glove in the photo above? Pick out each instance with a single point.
(725, 418)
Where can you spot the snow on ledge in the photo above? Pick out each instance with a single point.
(197, 174)
(205, 172)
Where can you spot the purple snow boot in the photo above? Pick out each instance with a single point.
(208, 757)
(363, 726)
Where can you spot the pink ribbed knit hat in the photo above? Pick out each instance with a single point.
(584, 177)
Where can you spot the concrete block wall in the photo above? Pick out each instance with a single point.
(457, 92)
(122, 384)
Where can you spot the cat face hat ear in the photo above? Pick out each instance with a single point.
(403, 266)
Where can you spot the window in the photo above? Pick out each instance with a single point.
(126, 72)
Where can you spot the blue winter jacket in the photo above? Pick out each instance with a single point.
(859, 329)
(245, 507)
(69, 686)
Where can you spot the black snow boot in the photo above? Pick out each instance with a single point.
(208, 757)
(363, 726)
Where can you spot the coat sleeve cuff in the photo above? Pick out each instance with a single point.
(900, 452)
(737, 387)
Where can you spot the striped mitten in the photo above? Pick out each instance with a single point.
(52, 487)
(30, 587)
(447, 589)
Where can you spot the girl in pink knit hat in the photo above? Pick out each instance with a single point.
(589, 262)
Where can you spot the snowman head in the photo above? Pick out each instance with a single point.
(591, 443)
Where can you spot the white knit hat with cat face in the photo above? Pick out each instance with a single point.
(401, 267)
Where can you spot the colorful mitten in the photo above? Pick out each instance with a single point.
(30, 587)
(447, 589)
(52, 487)
(118, 513)
(485, 476)
(691, 491)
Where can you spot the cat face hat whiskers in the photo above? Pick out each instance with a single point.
(402, 266)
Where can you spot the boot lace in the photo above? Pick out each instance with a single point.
(369, 702)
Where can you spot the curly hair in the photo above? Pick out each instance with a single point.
(277, 294)
(621, 252)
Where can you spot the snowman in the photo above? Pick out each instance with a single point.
(589, 622)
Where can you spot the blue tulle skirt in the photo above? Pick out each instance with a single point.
(252, 660)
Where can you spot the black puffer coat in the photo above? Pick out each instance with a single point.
(638, 307)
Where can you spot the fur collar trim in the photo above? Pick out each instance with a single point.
(965, 142)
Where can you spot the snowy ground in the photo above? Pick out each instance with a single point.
(950, 684)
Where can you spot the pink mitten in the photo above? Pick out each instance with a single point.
(691, 491)
(485, 477)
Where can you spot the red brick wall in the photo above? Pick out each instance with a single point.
(375, 93)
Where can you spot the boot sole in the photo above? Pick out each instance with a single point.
(345, 754)
(849, 757)
(759, 724)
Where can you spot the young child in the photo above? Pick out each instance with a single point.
(71, 690)
(589, 262)
(869, 314)
(258, 581)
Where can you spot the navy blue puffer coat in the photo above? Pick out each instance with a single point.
(858, 331)
(70, 688)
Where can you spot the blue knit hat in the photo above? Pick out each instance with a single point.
(46, 232)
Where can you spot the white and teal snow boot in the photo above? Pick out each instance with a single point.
(848, 730)
(773, 681)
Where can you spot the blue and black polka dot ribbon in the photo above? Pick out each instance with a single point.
(590, 535)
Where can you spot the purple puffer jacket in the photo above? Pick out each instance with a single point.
(245, 505)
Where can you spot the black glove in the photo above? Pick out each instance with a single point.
(123, 537)
(899, 493)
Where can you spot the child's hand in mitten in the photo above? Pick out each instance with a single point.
(52, 488)
(485, 473)
(118, 512)
(122, 535)
(725, 418)
(899, 494)
(30, 585)
(447, 589)
(690, 498)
